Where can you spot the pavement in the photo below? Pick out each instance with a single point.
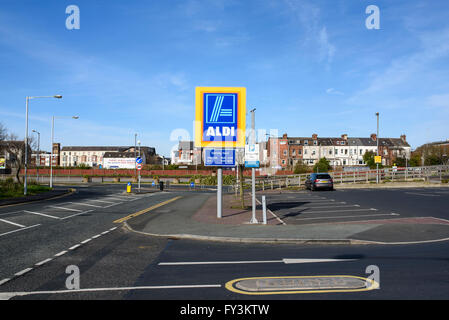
(193, 216)
(57, 192)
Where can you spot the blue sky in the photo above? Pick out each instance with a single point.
(309, 66)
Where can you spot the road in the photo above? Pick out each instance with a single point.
(40, 240)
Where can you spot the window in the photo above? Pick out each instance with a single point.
(341, 151)
(313, 152)
(306, 143)
(294, 152)
(361, 151)
(346, 151)
(283, 161)
(315, 143)
(330, 151)
(285, 152)
(338, 142)
(305, 151)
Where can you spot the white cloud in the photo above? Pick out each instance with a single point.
(333, 91)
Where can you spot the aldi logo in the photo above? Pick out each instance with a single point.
(220, 117)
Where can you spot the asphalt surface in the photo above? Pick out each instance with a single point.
(38, 241)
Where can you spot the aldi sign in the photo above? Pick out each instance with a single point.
(220, 117)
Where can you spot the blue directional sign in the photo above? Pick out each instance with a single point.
(219, 157)
(139, 160)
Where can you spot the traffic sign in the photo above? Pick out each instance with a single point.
(139, 160)
(139, 167)
(219, 157)
(220, 117)
(377, 159)
(252, 156)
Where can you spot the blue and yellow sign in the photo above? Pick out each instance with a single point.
(220, 117)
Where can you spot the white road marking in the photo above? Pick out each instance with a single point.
(96, 236)
(86, 241)
(74, 247)
(9, 295)
(359, 216)
(285, 260)
(4, 234)
(111, 205)
(68, 209)
(13, 223)
(86, 204)
(43, 262)
(23, 272)
(76, 214)
(101, 201)
(4, 281)
(41, 214)
(324, 207)
(61, 253)
(349, 210)
(424, 194)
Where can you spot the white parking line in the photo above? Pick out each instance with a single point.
(333, 211)
(4, 234)
(13, 223)
(101, 201)
(343, 217)
(424, 194)
(76, 214)
(324, 207)
(41, 214)
(86, 204)
(68, 209)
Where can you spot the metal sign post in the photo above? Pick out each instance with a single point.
(220, 128)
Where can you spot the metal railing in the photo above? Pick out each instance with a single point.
(436, 174)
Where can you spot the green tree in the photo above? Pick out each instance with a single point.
(368, 158)
(301, 167)
(415, 160)
(323, 165)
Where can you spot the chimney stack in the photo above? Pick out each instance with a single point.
(404, 138)
(284, 136)
(344, 136)
(373, 137)
(314, 136)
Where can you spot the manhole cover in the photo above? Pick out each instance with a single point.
(300, 284)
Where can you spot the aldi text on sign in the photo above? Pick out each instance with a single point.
(220, 117)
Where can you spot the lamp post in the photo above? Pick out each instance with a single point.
(25, 187)
(52, 139)
(253, 170)
(377, 140)
(138, 142)
(38, 158)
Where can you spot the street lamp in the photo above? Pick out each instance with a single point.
(38, 158)
(377, 140)
(25, 187)
(52, 139)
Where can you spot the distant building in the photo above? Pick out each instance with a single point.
(284, 152)
(94, 156)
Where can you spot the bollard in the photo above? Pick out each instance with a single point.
(264, 210)
(128, 187)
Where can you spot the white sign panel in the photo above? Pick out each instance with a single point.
(119, 163)
(252, 156)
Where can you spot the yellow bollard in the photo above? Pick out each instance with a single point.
(128, 187)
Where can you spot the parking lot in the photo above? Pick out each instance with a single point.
(361, 205)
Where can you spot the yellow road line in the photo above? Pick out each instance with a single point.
(138, 213)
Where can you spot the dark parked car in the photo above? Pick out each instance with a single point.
(319, 181)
